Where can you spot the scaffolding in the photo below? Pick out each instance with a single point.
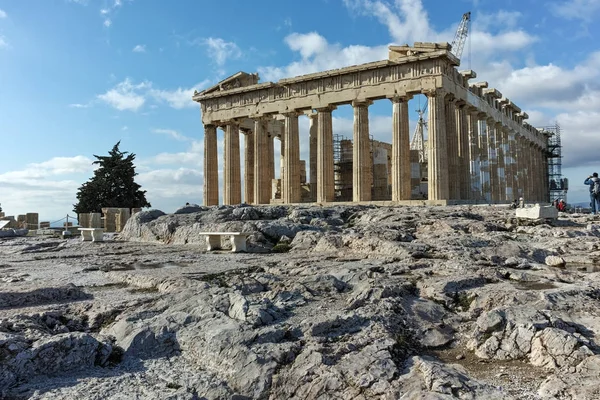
(342, 167)
(557, 184)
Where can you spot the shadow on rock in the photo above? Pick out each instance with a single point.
(42, 296)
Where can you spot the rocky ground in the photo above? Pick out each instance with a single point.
(328, 303)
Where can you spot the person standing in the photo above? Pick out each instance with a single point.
(594, 184)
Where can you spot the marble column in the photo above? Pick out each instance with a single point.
(271, 158)
(524, 167)
(452, 146)
(325, 171)
(361, 153)
(545, 177)
(248, 166)
(501, 139)
(313, 140)
(517, 187)
(539, 176)
(484, 157)
(493, 159)
(211, 166)
(437, 147)
(291, 176)
(534, 173)
(529, 184)
(232, 188)
(509, 165)
(474, 155)
(282, 154)
(462, 127)
(401, 189)
(262, 180)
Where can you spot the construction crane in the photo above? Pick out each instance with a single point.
(461, 35)
(418, 140)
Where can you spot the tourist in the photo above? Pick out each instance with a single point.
(561, 205)
(594, 183)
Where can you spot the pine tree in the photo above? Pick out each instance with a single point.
(112, 185)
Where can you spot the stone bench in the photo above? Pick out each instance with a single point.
(238, 240)
(93, 234)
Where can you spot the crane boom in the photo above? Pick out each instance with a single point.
(461, 35)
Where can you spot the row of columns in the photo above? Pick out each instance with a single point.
(471, 157)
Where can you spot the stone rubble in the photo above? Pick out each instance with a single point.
(339, 302)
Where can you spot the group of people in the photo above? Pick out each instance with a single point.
(560, 205)
(594, 184)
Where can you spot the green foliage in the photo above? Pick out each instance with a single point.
(112, 185)
(281, 248)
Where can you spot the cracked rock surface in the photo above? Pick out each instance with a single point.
(347, 302)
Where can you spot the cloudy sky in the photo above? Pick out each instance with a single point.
(77, 76)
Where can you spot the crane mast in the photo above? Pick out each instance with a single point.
(461, 35)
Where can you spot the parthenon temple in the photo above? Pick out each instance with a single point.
(479, 146)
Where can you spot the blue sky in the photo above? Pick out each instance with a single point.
(77, 76)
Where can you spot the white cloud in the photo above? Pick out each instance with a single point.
(500, 19)
(107, 12)
(319, 55)
(3, 42)
(172, 133)
(52, 167)
(406, 20)
(140, 48)
(2, 14)
(180, 97)
(125, 95)
(78, 105)
(584, 10)
(220, 50)
(48, 187)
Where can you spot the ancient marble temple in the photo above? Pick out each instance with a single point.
(479, 145)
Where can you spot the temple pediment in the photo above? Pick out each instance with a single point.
(234, 81)
(420, 49)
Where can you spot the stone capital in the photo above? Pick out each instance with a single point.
(361, 103)
(223, 124)
(472, 110)
(399, 98)
(292, 113)
(449, 97)
(261, 117)
(328, 108)
(246, 131)
(434, 92)
(461, 103)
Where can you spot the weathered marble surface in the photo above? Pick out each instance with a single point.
(409, 302)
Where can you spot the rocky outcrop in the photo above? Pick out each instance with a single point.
(329, 302)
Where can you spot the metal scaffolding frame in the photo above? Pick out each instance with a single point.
(558, 185)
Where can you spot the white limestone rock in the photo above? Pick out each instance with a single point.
(537, 212)
(555, 261)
